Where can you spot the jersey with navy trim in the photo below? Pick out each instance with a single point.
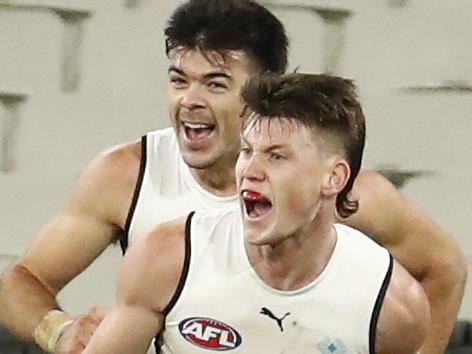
(166, 189)
(223, 305)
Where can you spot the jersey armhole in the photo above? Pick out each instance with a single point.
(124, 240)
(378, 306)
(185, 268)
(181, 283)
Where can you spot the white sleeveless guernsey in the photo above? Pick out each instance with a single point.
(222, 305)
(166, 189)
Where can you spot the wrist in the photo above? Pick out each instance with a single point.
(50, 329)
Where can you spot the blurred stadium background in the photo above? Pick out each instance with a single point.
(78, 76)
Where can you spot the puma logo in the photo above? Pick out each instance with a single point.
(265, 311)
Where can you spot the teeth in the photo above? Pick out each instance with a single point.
(254, 196)
(197, 126)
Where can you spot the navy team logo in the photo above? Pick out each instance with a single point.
(209, 334)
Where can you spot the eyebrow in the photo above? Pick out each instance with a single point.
(175, 69)
(208, 76)
(269, 148)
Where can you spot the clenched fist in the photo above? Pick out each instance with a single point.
(76, 336)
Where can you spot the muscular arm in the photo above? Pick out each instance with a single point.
(428, 252)
(404, 317)
(88, 223)
(147, 281)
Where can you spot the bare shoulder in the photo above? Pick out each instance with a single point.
(384, 213)
(374, 193)
(119, 160)
(394, 221)
(106, 186)
(371, 182)
(91, 219)
(153, 265)
(404, 317)
(376, 197)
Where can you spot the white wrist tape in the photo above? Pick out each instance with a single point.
(49, 330)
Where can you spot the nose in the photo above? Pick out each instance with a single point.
(253, 169)
(191, 98)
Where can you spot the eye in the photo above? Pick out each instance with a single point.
(217, 86)
(177, 81)
(245, 151)
(277, 156)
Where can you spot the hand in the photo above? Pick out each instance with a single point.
(75, 337)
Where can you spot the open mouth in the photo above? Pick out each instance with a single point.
(256, 205)
(198, 131)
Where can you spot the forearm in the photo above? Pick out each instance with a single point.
(125, 330)
(24, 301)
(445, 289)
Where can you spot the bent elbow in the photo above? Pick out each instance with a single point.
(461, 268)
(453, 276)
(18, 278)
(447, 272)
(7, 280)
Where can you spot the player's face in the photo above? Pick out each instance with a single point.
(280, 174)
(205, 104)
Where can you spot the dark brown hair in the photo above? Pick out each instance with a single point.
(324, 102)
(230, 25)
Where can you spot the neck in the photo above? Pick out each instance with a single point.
(300, 258)
(218, 179)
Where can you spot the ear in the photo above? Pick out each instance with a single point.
(338, 173)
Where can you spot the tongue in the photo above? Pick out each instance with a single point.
(261, 208)
(200, 133)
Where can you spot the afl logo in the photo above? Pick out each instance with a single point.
(209, 334)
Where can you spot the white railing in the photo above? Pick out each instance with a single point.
(334, 15)
(9, 120)
(73, 18)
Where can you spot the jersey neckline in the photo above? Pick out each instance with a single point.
(300, 290)
(193, 184)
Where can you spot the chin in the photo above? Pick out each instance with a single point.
(197, 160)
(258, 237)
(256, 241)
